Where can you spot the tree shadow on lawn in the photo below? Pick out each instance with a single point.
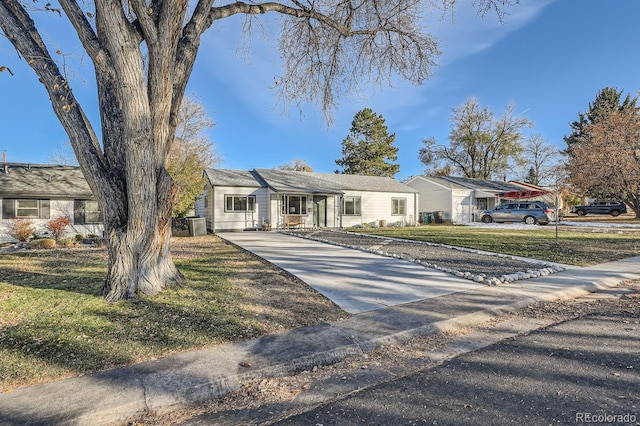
(79, 274)
(96, 336)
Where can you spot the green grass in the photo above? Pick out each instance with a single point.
(572, 247)
(54, 323)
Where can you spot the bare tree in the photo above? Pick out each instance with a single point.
(539, 160)
(297, 165)
(143, 52)
(480, 146)
(63, 156)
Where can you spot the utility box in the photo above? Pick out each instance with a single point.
(197, 226)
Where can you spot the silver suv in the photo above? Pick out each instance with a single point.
(529, 212)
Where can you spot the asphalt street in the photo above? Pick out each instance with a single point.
(583, 371)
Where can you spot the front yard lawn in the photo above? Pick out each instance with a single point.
(574, 246)
(55, 324)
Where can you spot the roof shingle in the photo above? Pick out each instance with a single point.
(40, 180)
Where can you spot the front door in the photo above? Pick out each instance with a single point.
(319, 211)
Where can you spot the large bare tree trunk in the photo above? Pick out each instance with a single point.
(138, 245)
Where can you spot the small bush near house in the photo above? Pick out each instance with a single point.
(42, 243)
(79, 237)
(67, 242)
(21, 229)
(57, 225)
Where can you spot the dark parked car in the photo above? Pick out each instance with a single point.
(614, 208)
(529, 212)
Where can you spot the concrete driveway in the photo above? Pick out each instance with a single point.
(354, 280)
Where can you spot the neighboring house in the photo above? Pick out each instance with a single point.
(263, 198)
(41, 192)
(463, 199)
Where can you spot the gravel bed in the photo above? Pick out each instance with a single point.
(492, 269)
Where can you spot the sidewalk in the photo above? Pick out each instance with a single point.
(197, 376)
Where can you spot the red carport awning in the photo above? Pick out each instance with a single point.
(520, 195)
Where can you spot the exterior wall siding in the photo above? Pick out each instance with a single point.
(377, 207)
(59, 207)
(220, 220)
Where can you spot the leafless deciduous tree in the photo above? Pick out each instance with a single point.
(539, 160)
(143, 52)
(480, 145)
(297, 165)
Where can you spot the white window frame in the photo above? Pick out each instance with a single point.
(356, 202)
(398, 206)
(92, 212)
(35, 208)
(249, 203)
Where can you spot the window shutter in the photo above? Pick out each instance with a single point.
(45, 209)
(78, 212)
(8, 208)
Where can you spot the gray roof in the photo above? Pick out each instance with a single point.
(244, 178)
(483, 185)
(365, 183)
(304, 182)
(443, 182)
(40, 180)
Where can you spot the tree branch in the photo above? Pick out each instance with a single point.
(21, 31)
(86, 34)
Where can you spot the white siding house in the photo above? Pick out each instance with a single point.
(39, 193)
(462, 200)
(276, 199)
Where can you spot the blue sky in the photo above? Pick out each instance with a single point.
(549, 57)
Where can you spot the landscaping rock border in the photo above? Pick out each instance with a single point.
(475, 265)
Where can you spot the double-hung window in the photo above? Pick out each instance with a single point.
(351, 206)
(25, 208)
(399, 206)
(86, 212)
(239, 203)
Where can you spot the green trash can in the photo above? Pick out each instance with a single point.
(426, 217)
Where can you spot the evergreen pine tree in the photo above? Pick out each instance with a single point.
(368, 149)
(606, 101)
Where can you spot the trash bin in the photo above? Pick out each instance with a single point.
(197, 226)
(439, 217)
(426, 217)
(382, 223)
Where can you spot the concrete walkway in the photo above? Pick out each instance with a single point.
(354, 280)
(197, 376)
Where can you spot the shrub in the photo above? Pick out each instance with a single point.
(79, 237)
(42, 243)
(57, 225)
(21, 229)
(67, 242)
